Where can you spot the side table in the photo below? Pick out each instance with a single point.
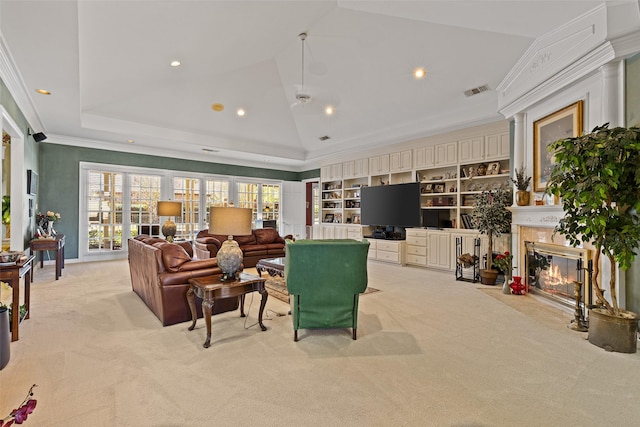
(12, 274)
(56, 245)
(210, 288)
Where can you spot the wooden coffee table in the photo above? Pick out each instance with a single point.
(210, 288)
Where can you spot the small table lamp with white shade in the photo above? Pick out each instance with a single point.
(169, 209)
(229, 221)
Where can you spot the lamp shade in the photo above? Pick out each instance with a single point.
(169, 208)
(230, 221)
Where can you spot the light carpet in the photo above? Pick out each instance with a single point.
(430, 352)
(277, 288)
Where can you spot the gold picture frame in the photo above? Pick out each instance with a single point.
(564, 123)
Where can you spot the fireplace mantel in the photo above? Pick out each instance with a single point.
(536, 216)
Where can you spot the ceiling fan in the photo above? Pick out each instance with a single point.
(301, 96)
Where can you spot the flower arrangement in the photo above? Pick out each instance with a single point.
(522, 180)
(19, 416)
(503, 262)
(49, 216)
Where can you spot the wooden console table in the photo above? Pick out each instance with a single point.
(12, 274)
(56, 245)
(210, 288)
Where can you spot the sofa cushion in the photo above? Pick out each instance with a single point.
(244, 240)
(173, 256)
(266, 235)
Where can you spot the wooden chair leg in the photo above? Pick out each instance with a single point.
(295, 335)
(354, 334)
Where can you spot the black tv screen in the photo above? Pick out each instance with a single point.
(391, 205)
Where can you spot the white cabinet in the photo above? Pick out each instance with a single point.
(400, 161)
(471, 150)
(424, 157)
(355, 168)
(331, 172)
(439, 249)
(416, 245)
(379, 164)
(497, 146)
(447, 154)
(387, 250)
(354, 232)
(468, 241)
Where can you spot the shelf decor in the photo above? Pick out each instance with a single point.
(564, 123)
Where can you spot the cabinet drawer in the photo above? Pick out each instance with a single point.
(388, 256)
(417, 241)
(387, 246)
(417, 250)
(417, 260)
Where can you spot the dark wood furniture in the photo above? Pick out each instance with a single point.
(12, 274)
(210, 288)
(56, 244)
(273, 266)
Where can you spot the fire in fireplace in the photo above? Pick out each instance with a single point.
(552, 270)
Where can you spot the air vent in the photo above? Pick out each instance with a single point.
(324, 138)
(209, 150)
(476, 90)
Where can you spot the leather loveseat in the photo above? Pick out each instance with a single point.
(260, 244)
(160, 273)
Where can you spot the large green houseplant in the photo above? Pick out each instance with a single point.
(491, 217)
(597, 176)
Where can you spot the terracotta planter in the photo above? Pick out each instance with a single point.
(522, 198)
(613, 333)
(488, 277)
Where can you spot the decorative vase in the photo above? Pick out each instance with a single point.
(488, 277)
(522, 198)
(50, 228)
(517, 287)
(5, 337)
(613, 333)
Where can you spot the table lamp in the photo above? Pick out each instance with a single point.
(169, 209)
(229, 221)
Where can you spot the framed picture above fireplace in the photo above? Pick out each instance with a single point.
(564, 123)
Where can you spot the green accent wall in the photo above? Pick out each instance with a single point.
(60, 177)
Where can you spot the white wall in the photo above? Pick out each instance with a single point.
(293, 209)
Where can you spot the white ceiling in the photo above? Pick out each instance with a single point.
(107, 66)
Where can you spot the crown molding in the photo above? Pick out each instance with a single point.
(13, 80)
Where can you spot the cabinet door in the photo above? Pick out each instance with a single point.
(400, 161)
(361, 168)
(379, 164)
(336, 171)
(438, 250)
(471, 150)
(348, 169)
(446, 154)
(424, 157)
(497, 146)
(325, 173)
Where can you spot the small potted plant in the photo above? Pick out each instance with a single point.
(491, 217)
(596, 177)
(521, 182)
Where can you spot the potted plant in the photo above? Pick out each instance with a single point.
(522, 182)
(596, 176)
(491, 217)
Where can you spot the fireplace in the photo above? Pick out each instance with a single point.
(552, 270)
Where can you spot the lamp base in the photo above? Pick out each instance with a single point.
(229, 258)
(169, 230)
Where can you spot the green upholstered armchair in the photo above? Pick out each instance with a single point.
(325, 279)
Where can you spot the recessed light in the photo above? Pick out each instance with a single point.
(217, 107)
(175, 63)
(329, 110)
(130, 141)
(241, 112)
(43, 92)
(419, 73)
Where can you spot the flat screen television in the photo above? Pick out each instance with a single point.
(391, 205)
(435, 218)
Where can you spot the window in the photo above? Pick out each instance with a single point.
(104, 205)
(144, 194)
(187, 191)
(217, 194)
(263, 199)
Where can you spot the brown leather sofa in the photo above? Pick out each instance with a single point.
(160, 273)
(261, 243)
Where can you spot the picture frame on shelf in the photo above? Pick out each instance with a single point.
(564, 123)
(493, 168)
(328, 217)
(438, 188)
(428, 188)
